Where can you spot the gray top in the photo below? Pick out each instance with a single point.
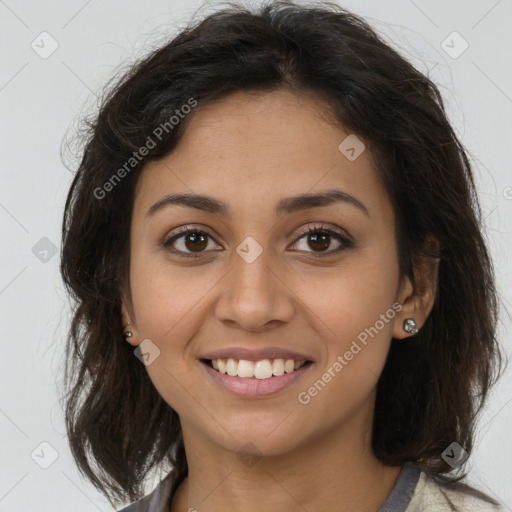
(397, 501)
(401, 494)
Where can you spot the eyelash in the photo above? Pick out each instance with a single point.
(346, 243)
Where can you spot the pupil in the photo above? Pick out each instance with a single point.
(198, 241)
(316, 237)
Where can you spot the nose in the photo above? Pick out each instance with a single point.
(255, 295)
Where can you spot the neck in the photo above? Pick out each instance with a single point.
(336, 471)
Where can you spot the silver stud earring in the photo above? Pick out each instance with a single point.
(410, 326)
(128, 334)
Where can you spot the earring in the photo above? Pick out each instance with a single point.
(410, 326)
(127, 334)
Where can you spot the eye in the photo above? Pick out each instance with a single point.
(320, 238)
(189, 239)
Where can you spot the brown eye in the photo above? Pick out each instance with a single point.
(195, 241)
(319, 239)
(188, 243)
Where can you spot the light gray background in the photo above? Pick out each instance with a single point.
(39, 100)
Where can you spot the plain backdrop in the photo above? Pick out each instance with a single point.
(56, 55)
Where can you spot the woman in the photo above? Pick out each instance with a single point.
(282, 288)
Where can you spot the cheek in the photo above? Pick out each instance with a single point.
(167, 298)
(167, 305)
(356, 328)
(351, 298)
(356, 346)
(170, 305)
(354, 312)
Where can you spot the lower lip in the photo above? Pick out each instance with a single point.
(256, 388)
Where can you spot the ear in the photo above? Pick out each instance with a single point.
(128, 319)
(418, 300)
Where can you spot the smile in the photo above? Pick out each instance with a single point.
(263, 369)
(255, 378)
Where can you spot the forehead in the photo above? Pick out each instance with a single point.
(255, 149)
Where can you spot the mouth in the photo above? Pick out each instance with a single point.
(255, 379)
(262, 369)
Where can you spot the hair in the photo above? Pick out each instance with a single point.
(432, 387)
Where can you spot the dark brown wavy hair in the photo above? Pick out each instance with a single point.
(432, 387)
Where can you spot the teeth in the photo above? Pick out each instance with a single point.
(278, 367)
(245, 368)
(289, 366)
(263, 369)
(232, 367)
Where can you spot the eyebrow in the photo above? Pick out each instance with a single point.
(285, 206)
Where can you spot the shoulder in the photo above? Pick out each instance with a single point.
(156, 501)
(433, 497)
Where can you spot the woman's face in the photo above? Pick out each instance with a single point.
(257, 280)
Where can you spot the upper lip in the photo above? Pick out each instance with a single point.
(256, 354)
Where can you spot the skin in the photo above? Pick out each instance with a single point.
(250, 151)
